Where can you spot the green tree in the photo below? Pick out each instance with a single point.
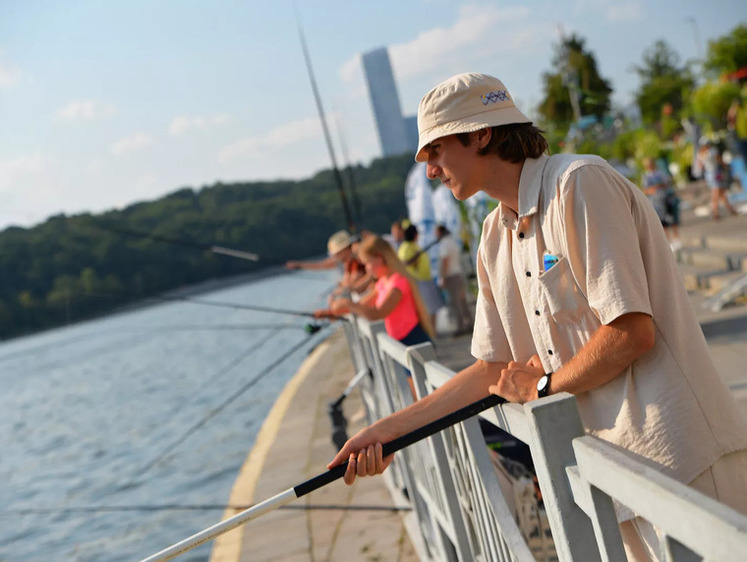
(711, 101)
(577, 68)
(728, 53)
(665, 83)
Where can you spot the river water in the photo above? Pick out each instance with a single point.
(86, 410)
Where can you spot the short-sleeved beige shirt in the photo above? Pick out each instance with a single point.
(669, 406)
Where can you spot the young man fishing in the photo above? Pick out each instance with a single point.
(579, 293)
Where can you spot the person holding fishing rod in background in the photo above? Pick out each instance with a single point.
(578, 293)
(394, 299)
(340, 252)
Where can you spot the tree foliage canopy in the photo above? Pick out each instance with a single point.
(664, 82)
(575, 66)
(728, 53)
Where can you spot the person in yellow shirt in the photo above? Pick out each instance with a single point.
(419, 266)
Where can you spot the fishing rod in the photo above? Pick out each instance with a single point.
(323, 119)
(193, 300)
(349, 171)
(216, 249)
(322, 480)
(309, 328)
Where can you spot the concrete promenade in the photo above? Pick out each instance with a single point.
(339, 522)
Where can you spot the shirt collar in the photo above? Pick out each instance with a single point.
(530, 183)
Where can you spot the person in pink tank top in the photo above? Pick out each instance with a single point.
(394, 299)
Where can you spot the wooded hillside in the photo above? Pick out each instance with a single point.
(73, 267)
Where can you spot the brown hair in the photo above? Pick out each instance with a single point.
(375, 246)
(513, 143)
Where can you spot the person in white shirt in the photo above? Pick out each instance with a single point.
(451, 279)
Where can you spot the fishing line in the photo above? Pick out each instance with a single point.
(216, 328)
(215, 411)
(193, 300)
(187, 507)
(216, 249)
(237, 360)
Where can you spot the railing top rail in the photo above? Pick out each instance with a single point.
(677, 510)
(393, 349)
(365, 327)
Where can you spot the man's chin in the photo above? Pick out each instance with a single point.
(458, 194)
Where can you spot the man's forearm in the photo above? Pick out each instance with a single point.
(462, 389)
(610, 350)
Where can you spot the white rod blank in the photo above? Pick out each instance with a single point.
(224, 526)
(235, 253)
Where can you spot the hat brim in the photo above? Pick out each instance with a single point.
(495, 118)
(336, 250)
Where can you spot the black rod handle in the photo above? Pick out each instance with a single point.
(404, 441)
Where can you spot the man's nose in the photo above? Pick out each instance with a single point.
(432, 171)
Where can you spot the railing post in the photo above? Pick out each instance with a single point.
(417, 356)
(554, 423)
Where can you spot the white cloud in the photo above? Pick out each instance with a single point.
(130, 144)
(479, 32)
(10, 76)
(85, 110)
(11, 171)
(613, 10)
(283, 136)
(624, 12)
(182, 123)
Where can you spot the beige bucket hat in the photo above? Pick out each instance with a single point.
(338, 242)
(462, 104)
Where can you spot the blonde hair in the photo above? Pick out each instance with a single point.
(375, 246)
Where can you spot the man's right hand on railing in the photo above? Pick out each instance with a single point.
(363, 452)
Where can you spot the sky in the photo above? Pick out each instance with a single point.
(106, 103)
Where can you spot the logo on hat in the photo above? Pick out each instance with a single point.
(493, 97)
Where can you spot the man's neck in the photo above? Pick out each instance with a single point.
(502, 182)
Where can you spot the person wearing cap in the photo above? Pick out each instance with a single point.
(339, 252)
(578, 293)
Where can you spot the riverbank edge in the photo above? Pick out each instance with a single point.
(227, 547)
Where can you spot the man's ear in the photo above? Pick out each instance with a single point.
(482, 137)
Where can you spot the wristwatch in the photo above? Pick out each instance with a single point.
(543, 386)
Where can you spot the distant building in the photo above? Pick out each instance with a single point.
(392, 128)
(411, 130)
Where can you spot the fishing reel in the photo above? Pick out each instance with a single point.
(338, 422)
(312, 328)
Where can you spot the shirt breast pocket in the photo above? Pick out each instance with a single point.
(565, 301)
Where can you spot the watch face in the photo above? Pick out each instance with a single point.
(542, 383)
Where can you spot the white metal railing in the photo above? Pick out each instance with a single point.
(461, 507)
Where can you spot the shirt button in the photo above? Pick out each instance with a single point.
(521, 235)
(529, 273)
(549, 351)
(537, 312)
